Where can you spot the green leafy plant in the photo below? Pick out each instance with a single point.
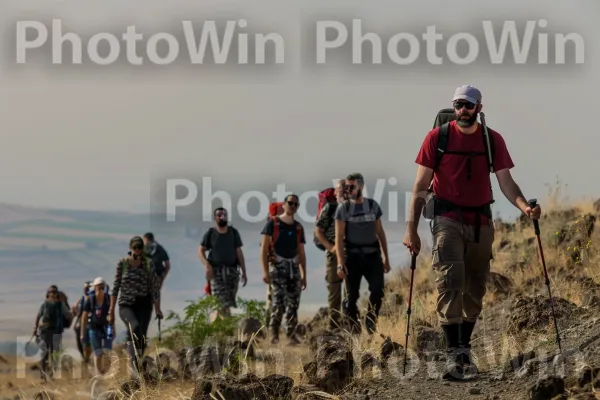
(195, 327)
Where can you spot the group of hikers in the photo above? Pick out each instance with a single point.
(138, 280)
(452, 189)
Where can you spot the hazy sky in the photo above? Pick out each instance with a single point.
(98, 137)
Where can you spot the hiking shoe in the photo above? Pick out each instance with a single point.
(454, 368)
(469, 366)
(275, 340)
(293, 340)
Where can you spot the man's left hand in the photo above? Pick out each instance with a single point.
(534, 213)
(244, 279)
(386, 266)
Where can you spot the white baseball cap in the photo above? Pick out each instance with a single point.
(98, 281)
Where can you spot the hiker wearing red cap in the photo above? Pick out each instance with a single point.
(456, 159)
(225, 256)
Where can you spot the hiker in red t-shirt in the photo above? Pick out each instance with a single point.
(462, 222)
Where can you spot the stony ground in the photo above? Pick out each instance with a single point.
(514, 342)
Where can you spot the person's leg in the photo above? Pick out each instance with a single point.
(373, 273)
(77, 331)
(477, 270)
(46, 348)
(268, 307)
(278, 277)
(334, 287)
(352, 282)
(129, 316)
(87, 346)
(448, 264)
(292, 302)
(145, 318)
(219, 285)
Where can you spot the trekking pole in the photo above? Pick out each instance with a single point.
(532, 203)
(159, 332)
(413, 266)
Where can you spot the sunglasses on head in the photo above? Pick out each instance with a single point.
(293, 203)
(466, 104)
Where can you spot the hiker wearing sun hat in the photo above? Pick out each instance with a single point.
(94, 322)
(137, 288)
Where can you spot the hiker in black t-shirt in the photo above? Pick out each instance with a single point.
(159, 257)
(225, 255)
(284, 267)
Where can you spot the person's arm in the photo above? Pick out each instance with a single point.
(76, 306)
(381, 233)
(340, 234)
(155, 283)
(419, 196)
(302, 257)
(511, 190)
(265, 244)
(323, 221)
(166, 260)
(84, 316)
(204, 246)
(239, 255)
(37, 318)
(115, 290)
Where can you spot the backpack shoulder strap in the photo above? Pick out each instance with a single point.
(442, 143)
(490, 160)
(275, 230)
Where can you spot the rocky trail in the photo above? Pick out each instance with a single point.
(514, 342)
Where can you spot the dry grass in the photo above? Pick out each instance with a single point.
(516, 256)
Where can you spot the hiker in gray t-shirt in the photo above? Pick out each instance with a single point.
(360, 237)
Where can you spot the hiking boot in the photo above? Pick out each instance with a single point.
(454, 368)
(454, 365)
(293, 340)
(469, 366)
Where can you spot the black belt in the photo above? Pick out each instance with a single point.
(443, 206)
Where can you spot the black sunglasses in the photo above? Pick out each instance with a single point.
(137, 247)
(221, 214)
(349, 188)
(293, 203)
(468, 105)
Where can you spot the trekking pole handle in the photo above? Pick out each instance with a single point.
(536, 226)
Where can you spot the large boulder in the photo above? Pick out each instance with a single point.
(333, 366)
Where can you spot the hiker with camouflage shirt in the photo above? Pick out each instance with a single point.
(284, 268)
(225, 255)
(325, 233)
(139, 289)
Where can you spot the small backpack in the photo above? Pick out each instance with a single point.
(325, 196)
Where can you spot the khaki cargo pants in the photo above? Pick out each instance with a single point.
(462, 268)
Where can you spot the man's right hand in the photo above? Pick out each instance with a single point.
(210, 275)
(266, 278)
(110, 317)
(412, 241)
